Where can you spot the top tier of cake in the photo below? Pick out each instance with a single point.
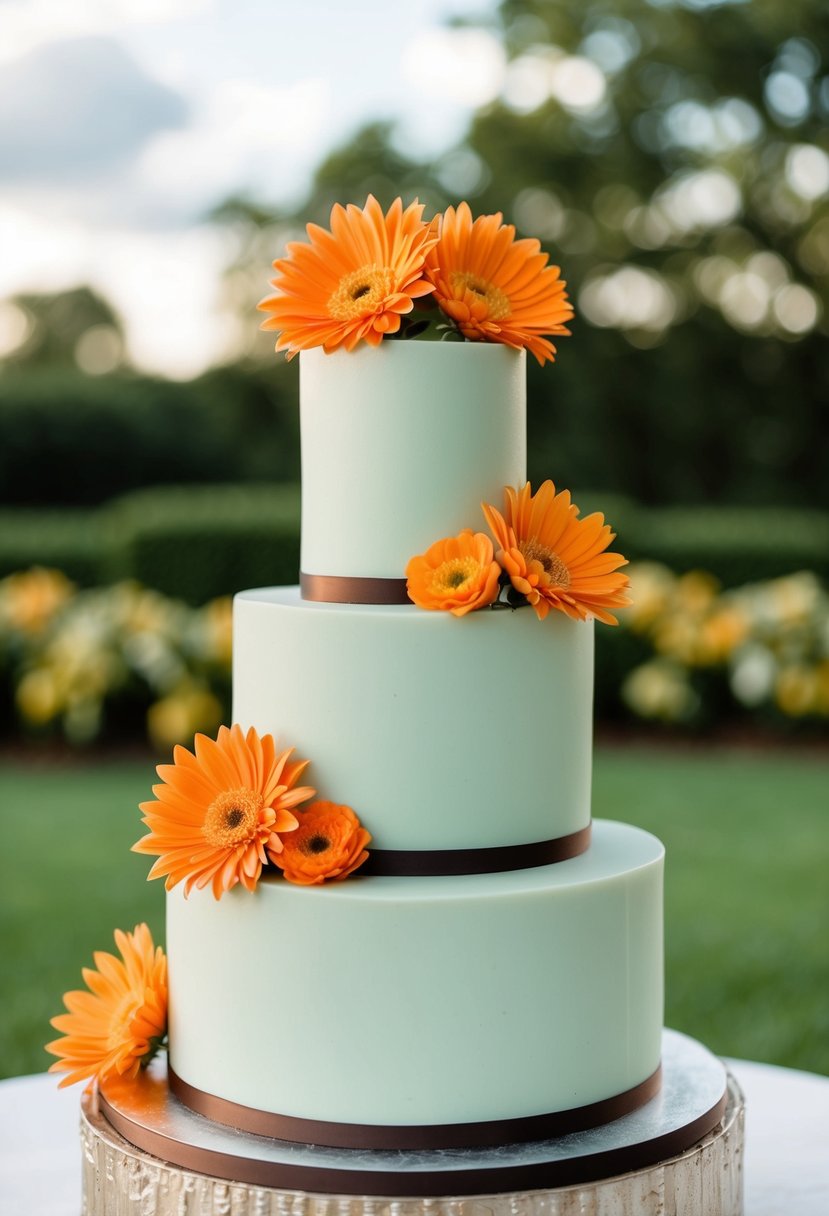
(400, 445)
(416, 719)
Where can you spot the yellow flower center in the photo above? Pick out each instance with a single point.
(361, 292)
(232, 818)
(497, 301)
(534, 551)
(453, 574)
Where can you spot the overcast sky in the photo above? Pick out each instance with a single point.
(123, 121)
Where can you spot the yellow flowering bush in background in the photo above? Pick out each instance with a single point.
(111, 660)
(125, 662)
(763, 647)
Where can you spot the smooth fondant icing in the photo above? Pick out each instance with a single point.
(400, 445)
(424, 1001)
(394, 1001)
(441, 733)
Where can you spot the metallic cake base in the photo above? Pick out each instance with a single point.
(144, 1151)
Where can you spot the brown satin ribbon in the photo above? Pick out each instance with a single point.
(153, 1135)
(339, 589)
(420, 863)
(487, 1134)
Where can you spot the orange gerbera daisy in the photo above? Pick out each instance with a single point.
(119, 1023)
(494, 288)
(556, 559)
(221, 812)
(457, 574)
(330, 843)
(351, 284)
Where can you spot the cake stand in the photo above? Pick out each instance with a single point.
(679, 1155)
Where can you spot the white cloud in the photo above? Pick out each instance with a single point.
(244, 137)
(40, 255)
(259, 91)
(241, 137)
(465, 66)
(25, 24)
(447, 74)
(80, 106)
(166, 286)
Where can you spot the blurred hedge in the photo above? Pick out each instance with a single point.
(71, 541)
(75, 440)
(736, 545)
(198, 542)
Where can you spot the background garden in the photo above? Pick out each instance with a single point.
(674, 158)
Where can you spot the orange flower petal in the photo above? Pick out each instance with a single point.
(494, 287)
(352, 283)
(219, 808)
(329, 844)
(555, 559)
(118, 1025)
(457, 574)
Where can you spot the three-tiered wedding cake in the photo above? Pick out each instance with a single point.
(439, 978)
(421, 1004)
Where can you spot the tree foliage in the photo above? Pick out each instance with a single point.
(674, 158)
(56, 328)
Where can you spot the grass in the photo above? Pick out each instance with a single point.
(747, 896)
(67, 879)
(746, 893)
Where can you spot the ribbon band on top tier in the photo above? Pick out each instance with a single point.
(342, 589)
(421, 863)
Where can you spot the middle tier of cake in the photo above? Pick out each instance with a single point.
(385, 1009)
(441, 733)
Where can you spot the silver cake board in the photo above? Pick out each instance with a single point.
(687, 1141)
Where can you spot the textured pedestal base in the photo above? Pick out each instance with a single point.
(704, 1179)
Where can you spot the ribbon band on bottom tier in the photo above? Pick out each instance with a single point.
(487, 1134)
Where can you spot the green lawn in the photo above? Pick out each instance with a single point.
(747, 890)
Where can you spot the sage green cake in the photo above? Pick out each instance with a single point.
(421, 999)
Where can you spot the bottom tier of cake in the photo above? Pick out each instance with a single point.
(409, 1007)
(681, 1154)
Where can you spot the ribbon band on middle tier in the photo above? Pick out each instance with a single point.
(421, 863)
